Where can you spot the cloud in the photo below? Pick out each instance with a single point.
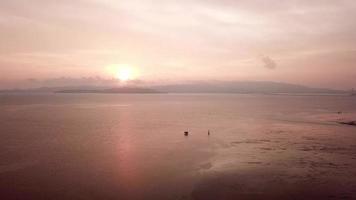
(268, 62)
(50, 38)
(64, 82)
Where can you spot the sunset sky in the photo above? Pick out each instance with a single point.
(297, 41)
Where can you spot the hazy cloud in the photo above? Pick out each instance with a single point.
(268, 62)
(47, 38)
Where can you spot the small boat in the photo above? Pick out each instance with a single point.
(186, 133)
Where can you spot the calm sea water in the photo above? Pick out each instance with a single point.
(107, 146)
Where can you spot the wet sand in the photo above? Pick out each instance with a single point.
(284, 166)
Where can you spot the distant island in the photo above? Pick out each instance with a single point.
(238, 87)
(244, 87)
(125, 90)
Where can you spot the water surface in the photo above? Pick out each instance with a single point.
(109, 146)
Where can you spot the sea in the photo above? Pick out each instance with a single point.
(132, 146)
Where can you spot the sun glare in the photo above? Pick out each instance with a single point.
(124, 74)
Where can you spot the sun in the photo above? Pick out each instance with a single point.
(125, 74)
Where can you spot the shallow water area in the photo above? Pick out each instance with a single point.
(91, 146)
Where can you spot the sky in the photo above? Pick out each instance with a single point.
(304, 42)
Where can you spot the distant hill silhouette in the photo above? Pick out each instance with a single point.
(111, 90)
(241, 87)
(260, 87)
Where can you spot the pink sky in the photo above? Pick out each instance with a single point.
(301, 41)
